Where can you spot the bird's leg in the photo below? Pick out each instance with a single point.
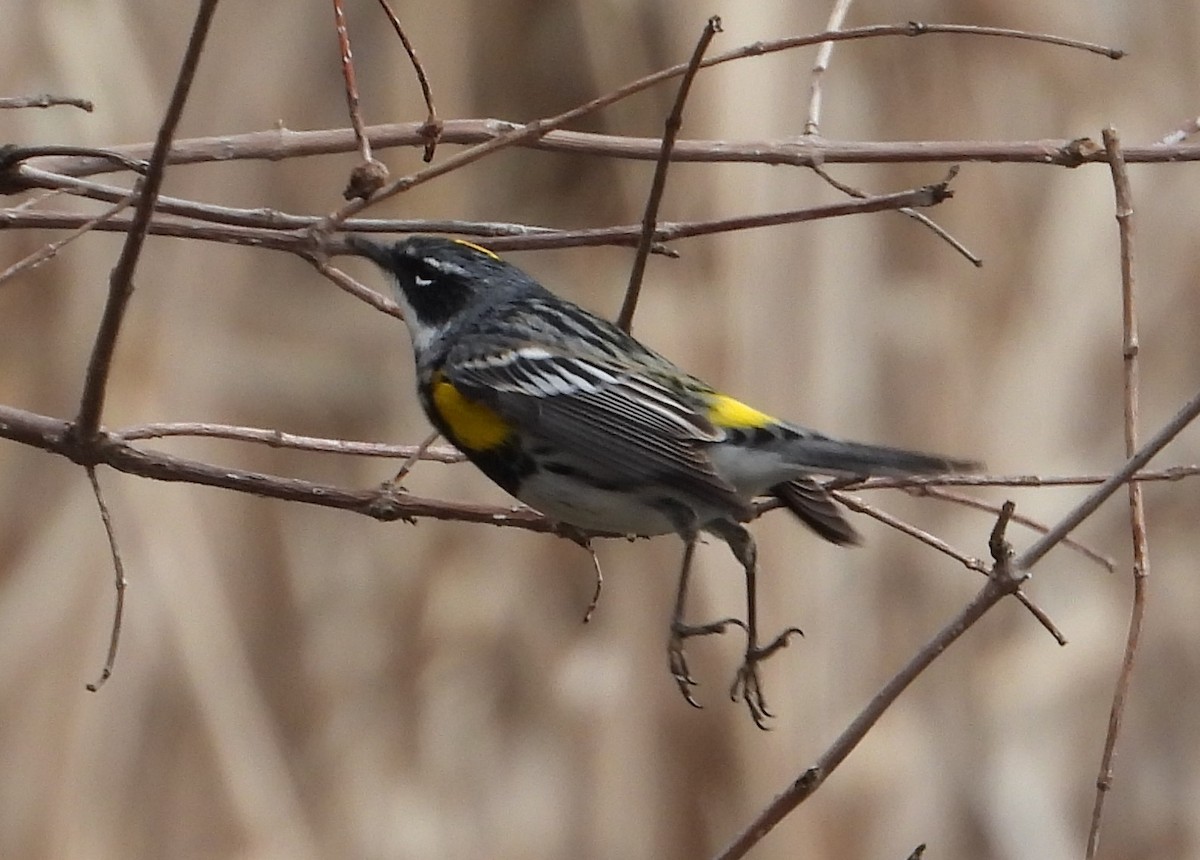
(747, 685)
(680, 631)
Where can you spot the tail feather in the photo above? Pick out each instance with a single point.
(809, 501)
(835, 457)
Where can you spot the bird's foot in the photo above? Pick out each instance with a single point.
(677, 658)
(747, 685)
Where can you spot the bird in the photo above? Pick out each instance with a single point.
(579, 420)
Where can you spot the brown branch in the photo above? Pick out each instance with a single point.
(121, 280)
(114, 638)
(369, 175)
(48, 251)
(659, 183)
(432, 127)
(1173, 473)
(837, 17)
(44, 101)
(281, 143)
(304, 245)
(1029, 522)
(363, 293)
(1137, 511)
(1187, 413)
(538, 128)
(384, 504)
(856, 504)
(921, 218)
(280, 439)
(350, 84)
(417, 455)
(1003, 580)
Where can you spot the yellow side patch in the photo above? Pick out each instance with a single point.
(472, 424)
(724, 411)
(478, 248)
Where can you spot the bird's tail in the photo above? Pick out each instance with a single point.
(835, 457)
(811, 502)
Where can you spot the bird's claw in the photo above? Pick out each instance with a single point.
(677, 657)
(747, 685)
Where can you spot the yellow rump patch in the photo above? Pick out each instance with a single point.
(478, 248)
(724, 411)
(473, 425)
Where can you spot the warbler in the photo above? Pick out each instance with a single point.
(582, 422)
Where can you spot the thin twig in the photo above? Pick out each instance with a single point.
(1087, 507)
(369, 175)
(1002, 581)
(351, 85)
(120, 287)
(354, 288)
(1137, 511)
(120, 582)
(586, 543)
(302, 244)
(418, 454)
(48, 251)
(1172, 473)
(856, 504)
(432, 128)
(538, 128)
(1029, 522)
(921, 218)
(12, 155)
(658, 185)
(837, 17)
(346, 57)
(279, 439)
(277, 144)
(53, 435)
(45, 101)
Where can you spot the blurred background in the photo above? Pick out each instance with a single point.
(295, 682)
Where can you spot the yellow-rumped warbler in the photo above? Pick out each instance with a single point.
(577, 419)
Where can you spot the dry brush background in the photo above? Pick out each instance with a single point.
(299, 683)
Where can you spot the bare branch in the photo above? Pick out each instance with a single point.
(44, 101)
(1137, 510)
(1087, 507)
(837, 16)
(658, 185)
(281, 143)
(48, 251)
(856, 504)
(302, 244)
(432, 127)
(1001, 582)
(979, 505)
(121, 280)
(120, 584)
(280, 439)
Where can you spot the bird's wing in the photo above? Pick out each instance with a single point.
(621, 425)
